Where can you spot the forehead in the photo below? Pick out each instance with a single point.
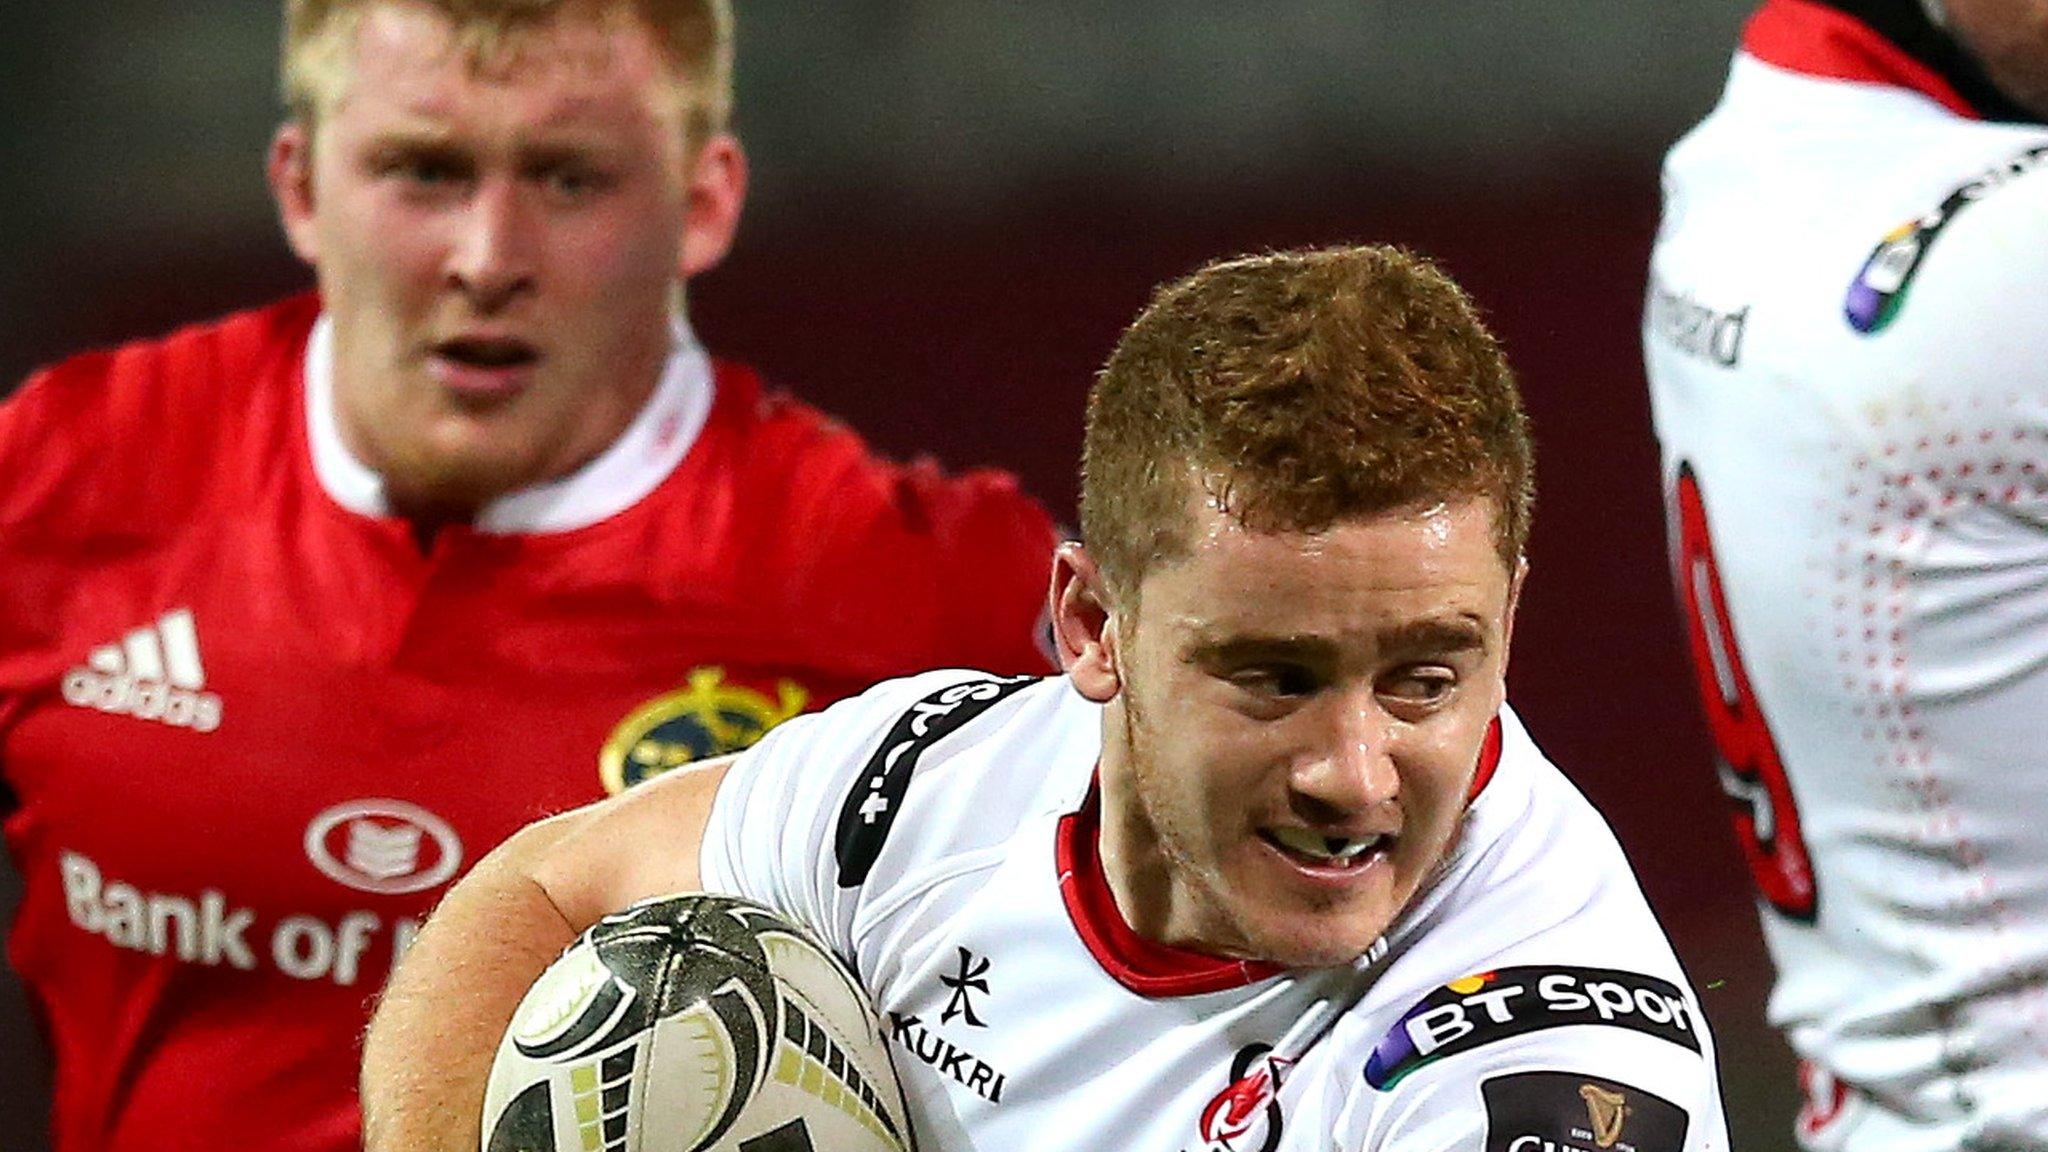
(1361, 578)
(582, 62)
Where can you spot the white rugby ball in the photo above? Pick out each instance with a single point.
(694, 1023)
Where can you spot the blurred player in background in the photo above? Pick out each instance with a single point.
(1847, 336)
(304, 610)
(1272, 866)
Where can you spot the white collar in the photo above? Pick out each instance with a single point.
(639, 460)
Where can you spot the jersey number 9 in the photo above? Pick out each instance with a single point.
(1766, 818)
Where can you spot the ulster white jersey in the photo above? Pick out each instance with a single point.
(1847, 337)
(940, 833)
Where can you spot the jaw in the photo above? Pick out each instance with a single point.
(1265, 906)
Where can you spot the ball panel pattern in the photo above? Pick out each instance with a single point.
(695, 1023)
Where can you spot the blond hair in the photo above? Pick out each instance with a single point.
(1300, 389)
(696, 35)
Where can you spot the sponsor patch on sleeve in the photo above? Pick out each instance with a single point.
(1879, 290)
(1490, 1006)
(1558, 1111)
(869, 810)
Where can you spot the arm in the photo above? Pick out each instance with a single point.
(429, 1047)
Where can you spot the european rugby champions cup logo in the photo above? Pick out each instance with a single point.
(707, 718)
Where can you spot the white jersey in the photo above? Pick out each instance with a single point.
(939, 832)
(1847, 339)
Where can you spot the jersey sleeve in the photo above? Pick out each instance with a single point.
(1972, 310)
(802, 817)
(75, 489)
(1531, 1058)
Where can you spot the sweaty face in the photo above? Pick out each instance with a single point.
(496, 247)
(1301, 718)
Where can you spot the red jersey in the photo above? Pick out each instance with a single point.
(250, 731)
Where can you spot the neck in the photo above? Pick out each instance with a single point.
(1916, 28)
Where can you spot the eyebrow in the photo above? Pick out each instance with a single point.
(1447, 635)
(413, 139)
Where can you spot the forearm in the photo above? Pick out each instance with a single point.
(428, 1053)
(429, 1048)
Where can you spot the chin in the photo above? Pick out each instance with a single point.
(456, 480)
(1310, 942)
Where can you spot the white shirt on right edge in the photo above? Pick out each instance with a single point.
(1847, 340)
(939, 833)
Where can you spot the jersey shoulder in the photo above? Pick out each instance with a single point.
(1537, 864)
(1537, 962)
(1537, 1043)
(128, 437)
(1569, 1056)
(1812, 212)
(1957, 266)
(919, 768)
(962, 559)
(825, 476)
(876, 794)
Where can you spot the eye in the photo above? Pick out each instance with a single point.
(1278, 681)
(423, 171)
(573, 181)
(1421, 684)
(432, 173)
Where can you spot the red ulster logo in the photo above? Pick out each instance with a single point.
(1245, 1117)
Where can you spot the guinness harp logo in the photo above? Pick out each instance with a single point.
(1606, 1113)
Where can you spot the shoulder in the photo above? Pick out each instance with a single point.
(1561, 1052)
(830, 530)
(1534, 843)
(824, 472)
(1958, 264)
(1536, 962)
(1831, 203)
(929, 764)
(1538, 880)
(108, 430)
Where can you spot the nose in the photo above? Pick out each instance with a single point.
(491, 259)
(1349, 767)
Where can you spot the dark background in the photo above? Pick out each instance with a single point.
(958, 205)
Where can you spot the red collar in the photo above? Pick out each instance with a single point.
(1812, 38)
(1144, 966)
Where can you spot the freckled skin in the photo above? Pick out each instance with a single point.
(1341, 682)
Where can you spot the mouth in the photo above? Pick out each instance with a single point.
(1323, 854)
(483, 367)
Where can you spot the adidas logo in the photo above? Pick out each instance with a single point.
(153, 673)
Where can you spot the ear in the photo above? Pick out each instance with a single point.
(1083, 624)
(1507, 623)
(717, 192)
(289, 169)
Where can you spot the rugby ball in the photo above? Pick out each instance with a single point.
(694, 1023)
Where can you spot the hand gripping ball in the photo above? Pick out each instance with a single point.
(694, 1023)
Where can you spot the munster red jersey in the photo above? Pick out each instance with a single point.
(250, 728)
